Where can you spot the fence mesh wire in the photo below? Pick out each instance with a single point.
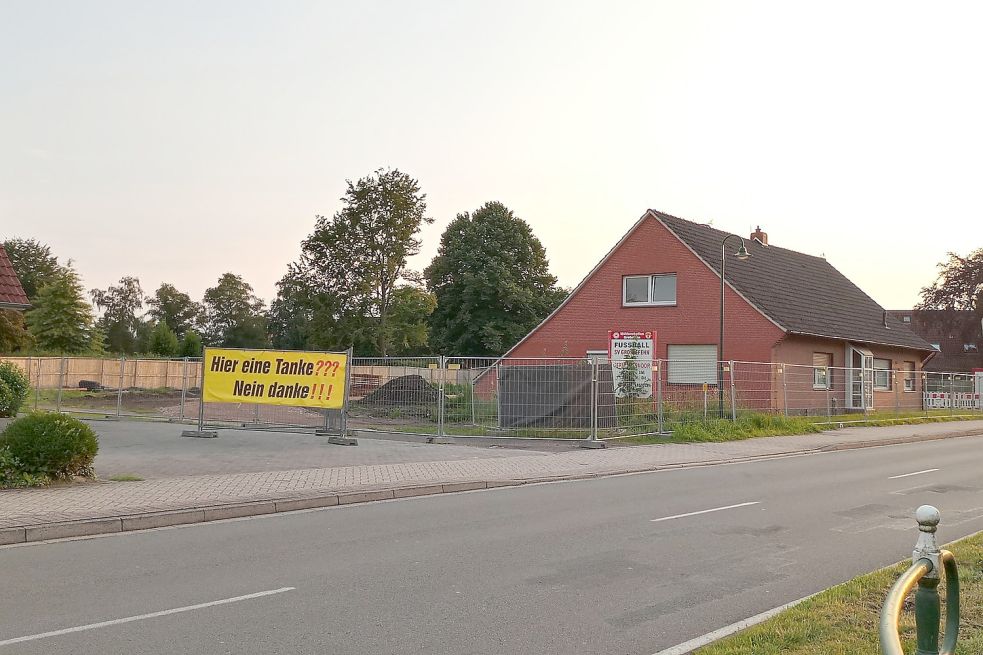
(562, 397)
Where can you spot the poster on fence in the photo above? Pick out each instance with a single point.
(631, 355)
(275, 377)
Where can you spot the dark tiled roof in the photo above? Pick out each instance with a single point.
(802, 293)
(953, 331)
(11, 292)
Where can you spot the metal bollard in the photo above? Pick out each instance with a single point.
(927, 559)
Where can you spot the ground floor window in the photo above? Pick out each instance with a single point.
(882, 374)
(820, 370)
(692, 364)
(909, 376)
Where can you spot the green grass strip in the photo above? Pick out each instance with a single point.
(844, 620)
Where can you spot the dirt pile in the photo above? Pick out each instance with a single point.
(404, 390)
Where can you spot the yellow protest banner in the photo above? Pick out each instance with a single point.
(275, 377)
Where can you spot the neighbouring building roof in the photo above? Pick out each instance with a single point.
(958, 335)
(802, 293)
(12, 294)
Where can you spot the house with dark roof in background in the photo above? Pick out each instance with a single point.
(12, 294)
(957, 335)
(782, 307)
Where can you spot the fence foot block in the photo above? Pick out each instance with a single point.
(339, 440)
(590, 443)
(201, 434)
(440, 440)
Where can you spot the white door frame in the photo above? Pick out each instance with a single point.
(860, 379)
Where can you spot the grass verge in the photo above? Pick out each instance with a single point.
(843, 620)
(125, 477)
(749, 426)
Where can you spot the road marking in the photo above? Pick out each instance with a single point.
(704, 511)
(141, 617)
(726, 631)
(908, 475)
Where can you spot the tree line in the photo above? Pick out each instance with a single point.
(488, 286)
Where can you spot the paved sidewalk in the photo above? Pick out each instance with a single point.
(112, 507)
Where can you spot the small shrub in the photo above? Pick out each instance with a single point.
(12, 474)
(52, 445)
(14, 386)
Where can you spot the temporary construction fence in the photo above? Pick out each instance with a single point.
(563, 397)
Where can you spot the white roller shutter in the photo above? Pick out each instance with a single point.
(692, 364)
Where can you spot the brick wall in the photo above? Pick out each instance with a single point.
(797, 352)
(583, 323)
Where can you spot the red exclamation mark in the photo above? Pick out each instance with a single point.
(320, 391)
(330, 387)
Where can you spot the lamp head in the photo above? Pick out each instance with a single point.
(742, 252)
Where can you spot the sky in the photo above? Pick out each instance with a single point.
(175, 141)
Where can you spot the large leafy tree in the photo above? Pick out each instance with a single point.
(409, 324)
(121, 306)
(13, 331)
(342, 290)
(163, 341)
(61, 319)
(33, 263)
(958, 288)
(174, 308)
(492, 283)
(234, 316)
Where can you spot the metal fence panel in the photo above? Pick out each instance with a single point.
(565, 397)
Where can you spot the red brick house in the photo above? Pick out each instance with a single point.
(781, 306)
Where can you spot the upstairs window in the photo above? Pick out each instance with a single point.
(970, 348)
(648, 290)
(906, 319)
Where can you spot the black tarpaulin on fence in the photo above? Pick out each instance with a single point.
(554, 396)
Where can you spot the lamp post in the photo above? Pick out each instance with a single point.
(741, 254)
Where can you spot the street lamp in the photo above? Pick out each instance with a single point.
(741, 254)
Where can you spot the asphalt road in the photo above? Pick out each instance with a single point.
(576, 567)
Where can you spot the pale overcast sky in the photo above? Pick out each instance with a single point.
(175, 141)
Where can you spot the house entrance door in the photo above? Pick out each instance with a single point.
(861, 388)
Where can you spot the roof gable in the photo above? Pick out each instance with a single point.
(802, 293)
(11, 292)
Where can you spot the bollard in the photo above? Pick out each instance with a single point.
(927, 560)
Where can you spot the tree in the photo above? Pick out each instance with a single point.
(319, 313)
(409, 329)
(120, 305)
(958, 288)
(190, 345)
(33, 262)
(234, 316)
(371, 236)
(341, 291)
(492, 283)
(13, 331)
(163, 341)
(174, 308)
(61, 320)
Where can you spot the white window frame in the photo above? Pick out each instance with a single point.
(651, 284)
(888, 372)
(909, 376)
(597, 356)
(825, 370)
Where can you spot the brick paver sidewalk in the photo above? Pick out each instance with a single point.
(33, 507)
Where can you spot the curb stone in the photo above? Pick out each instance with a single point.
(187, 516)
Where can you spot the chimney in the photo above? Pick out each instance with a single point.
(759, 236)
